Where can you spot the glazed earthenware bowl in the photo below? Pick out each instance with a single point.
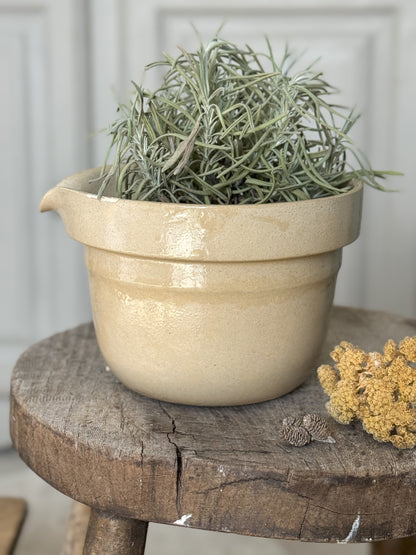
(208, 305)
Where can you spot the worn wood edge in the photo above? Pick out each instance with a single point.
(75, 454)
(182, 514)
(13, 512)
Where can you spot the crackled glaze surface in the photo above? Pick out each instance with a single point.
(208, 305)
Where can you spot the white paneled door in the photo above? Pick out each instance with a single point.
(64, 64)
(44, 107)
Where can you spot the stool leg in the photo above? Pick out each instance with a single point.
(113, 535)
(76, 529)
(402, 546)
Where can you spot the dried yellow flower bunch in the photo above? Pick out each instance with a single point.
(377, 388)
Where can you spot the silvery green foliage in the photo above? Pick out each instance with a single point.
(223, 129)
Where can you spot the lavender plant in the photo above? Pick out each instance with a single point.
(223, 129)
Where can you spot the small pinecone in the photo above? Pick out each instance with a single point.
(317, 428)
(292, 421)
(294, 435)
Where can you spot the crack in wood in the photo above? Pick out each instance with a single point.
(340, 513)
(122, 417)
(338, 458)
(303, 520)
(179, 460)
(141, 455)
(223, 485)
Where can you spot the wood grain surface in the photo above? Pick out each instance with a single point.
(12, 515)
(220, 469)
(76, 529)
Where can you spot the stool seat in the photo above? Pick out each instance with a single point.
(223, 469)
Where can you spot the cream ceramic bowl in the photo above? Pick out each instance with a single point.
(208, 305)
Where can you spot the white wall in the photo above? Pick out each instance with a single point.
(65, 63)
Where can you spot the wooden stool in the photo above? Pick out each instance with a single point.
(135, 460)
